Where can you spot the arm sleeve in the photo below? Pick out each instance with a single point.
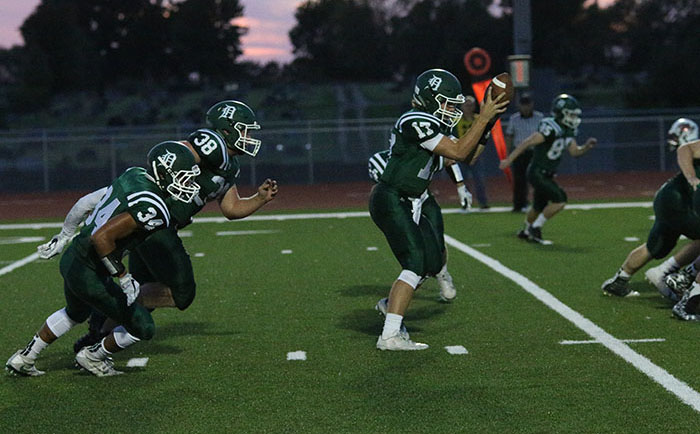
(82, 208)
(455, 173)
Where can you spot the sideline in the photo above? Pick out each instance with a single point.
(350, 214)
(677, 387)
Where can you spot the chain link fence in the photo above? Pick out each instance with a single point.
(306, 152)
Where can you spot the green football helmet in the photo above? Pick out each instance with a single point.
(439, 93)
(681, 132)
(234, 120)
(566, 111)
(174, 170)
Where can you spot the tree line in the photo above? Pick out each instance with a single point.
(91, 45)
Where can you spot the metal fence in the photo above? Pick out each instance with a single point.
(293, 152)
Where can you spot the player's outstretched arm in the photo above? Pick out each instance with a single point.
(576, 151)
(235, 207)
(535, 139)
(77, 214)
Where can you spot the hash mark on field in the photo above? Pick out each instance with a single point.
(296, 355)
(286, 252)
(456, 349)
(593, 341)
(372, 249)
(199, 255)
(677, 387)
(632, 239)
(184, 234)
(137, 362)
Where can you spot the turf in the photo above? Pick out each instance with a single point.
(220, 366)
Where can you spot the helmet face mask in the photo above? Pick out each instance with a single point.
(234, 120)
(439, 93)
(567, 111)
(681, 132)
(174, 170)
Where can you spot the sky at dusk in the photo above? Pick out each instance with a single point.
(269, 22)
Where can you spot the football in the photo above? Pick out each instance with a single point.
(502, 83)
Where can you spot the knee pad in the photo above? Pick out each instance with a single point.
(59, 322)
(411, 278)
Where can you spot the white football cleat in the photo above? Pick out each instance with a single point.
(448, 292)
(399, 343)
(657, 277)
(381, 307)
(20, 365)
(100, 368)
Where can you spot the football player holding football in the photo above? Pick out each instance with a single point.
(675, 215)
(553, 135)
(377, 164)
(132, 208)
(414, 228)
(162, 260)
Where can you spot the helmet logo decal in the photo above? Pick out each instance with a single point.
(167, 159)
(434, 82)
(561, 103)
(227, 112)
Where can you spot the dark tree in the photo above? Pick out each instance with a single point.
(341, 39)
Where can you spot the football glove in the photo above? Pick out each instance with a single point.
(130, 287)
(53, 247)
(465, 198)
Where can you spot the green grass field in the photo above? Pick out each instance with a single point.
(221, 365)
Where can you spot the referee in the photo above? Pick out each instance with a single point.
(520, 126)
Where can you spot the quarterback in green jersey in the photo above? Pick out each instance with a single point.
(377, 164)
(553, 135)
(418, 139)
(676, 214)
(132, 208)
(161, 260)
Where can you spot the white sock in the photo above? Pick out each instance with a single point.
(34, 347)
(99, 352)
(622, 273)
(392, 324)
(443, 272)
(671, 265)
(527, 224)
(539, 221)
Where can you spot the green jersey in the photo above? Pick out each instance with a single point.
(412, 163)
(219, 172)
(547, 155)
(136, 193)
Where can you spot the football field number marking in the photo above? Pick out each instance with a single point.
(677, 387)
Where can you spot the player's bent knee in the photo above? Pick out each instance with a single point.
(141, 324)
(183, 295)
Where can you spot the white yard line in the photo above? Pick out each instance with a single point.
(4, 270)
(677, 387)
(341, 215)
(634, 341)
